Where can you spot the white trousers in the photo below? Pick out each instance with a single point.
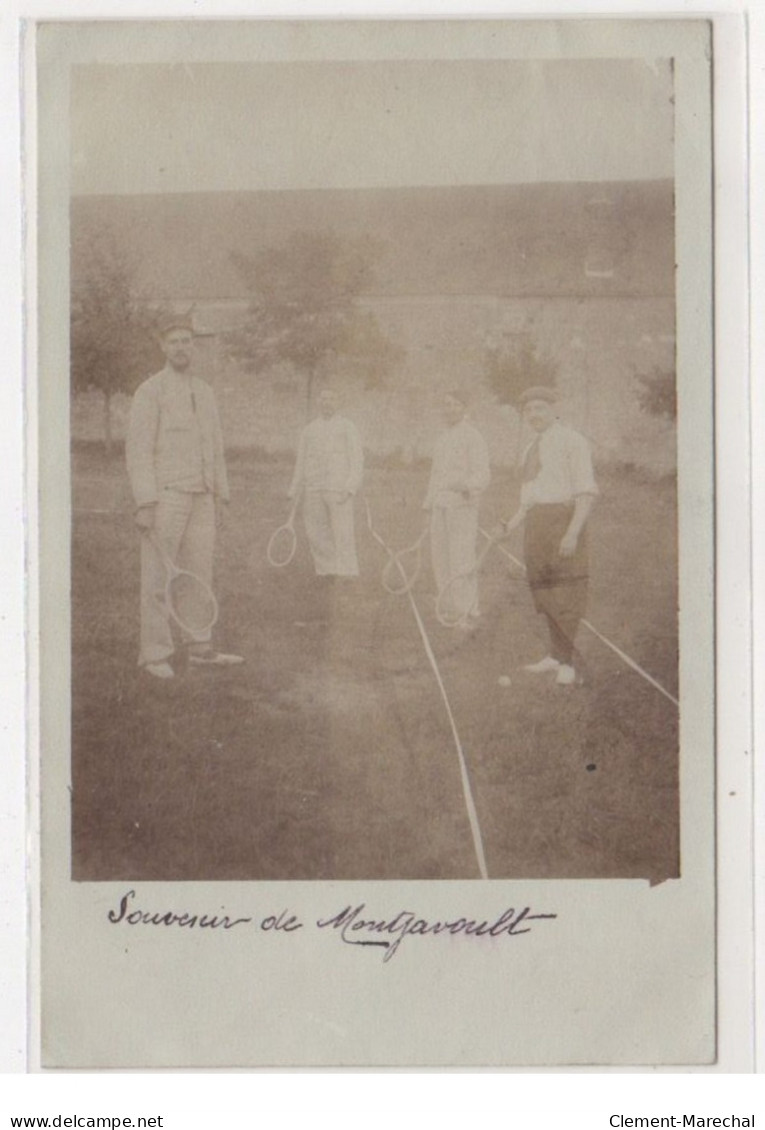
(330, 533)
(184, 525)
(453, 534)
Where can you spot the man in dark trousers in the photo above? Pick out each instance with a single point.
(557, 494)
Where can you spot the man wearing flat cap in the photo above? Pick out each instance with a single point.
(557, 494)
(459, 476)
(177, 472)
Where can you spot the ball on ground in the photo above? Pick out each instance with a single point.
(504, 680)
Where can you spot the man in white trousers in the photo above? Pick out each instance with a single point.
(177, 471)
(328, 473)
(459, 476)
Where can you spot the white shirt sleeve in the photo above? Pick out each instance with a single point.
(299, 472)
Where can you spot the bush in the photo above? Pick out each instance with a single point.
(657, 394)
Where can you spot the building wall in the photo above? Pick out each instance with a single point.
(599, 345)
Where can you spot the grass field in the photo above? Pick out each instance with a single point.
(329, 754)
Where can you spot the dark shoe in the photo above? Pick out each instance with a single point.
(214, 659)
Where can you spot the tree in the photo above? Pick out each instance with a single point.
(112, 342)
(515, 366)
(368, 351)
(304, 309)
(657, 394)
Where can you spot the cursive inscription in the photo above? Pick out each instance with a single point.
(352, 925)
(170, 917)
(389, 933)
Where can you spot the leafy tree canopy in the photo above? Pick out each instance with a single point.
(516, 365)
(304, 308)
(112, 327)
(112, 341)
(657, 393)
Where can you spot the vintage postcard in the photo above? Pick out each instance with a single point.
(377, 482)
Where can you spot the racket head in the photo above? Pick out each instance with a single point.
(399, 574)
(281, 546)
(191, 603)
(453, 603)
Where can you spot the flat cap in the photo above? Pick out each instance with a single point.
(538, 392)
(460, 393)
(168, 322)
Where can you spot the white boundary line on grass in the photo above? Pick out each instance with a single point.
(467, 792)
(475, 827)
(617, 651)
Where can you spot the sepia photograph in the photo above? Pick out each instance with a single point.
(377, 484)
(374, 506)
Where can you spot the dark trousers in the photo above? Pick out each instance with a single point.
(558, 584)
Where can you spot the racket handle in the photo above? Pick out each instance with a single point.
(295, 503)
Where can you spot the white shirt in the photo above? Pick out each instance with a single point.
(565, 468)
(330, 457)
(460, 470)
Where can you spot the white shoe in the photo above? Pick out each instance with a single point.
(160, 670)
(214, 659)
(566, 676)
(543, 666)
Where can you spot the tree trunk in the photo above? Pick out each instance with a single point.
(309, 382)
(519, 440)
(108, 424)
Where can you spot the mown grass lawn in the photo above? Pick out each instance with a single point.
(329, 754)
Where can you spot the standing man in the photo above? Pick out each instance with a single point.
(177, 472)
(328, 471)
(556, 499)
(459, 476)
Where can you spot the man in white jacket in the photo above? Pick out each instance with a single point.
(177, 471)
(459, 476)
(328, 472)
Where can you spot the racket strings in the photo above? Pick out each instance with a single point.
(399, 574)
(458, 598)
(191, 603)
(283, 541)
(281, 546)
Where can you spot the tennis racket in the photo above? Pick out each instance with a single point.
(450, 602)
(402, 569)
(190, 602)
(450, 610)
(283, 542)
